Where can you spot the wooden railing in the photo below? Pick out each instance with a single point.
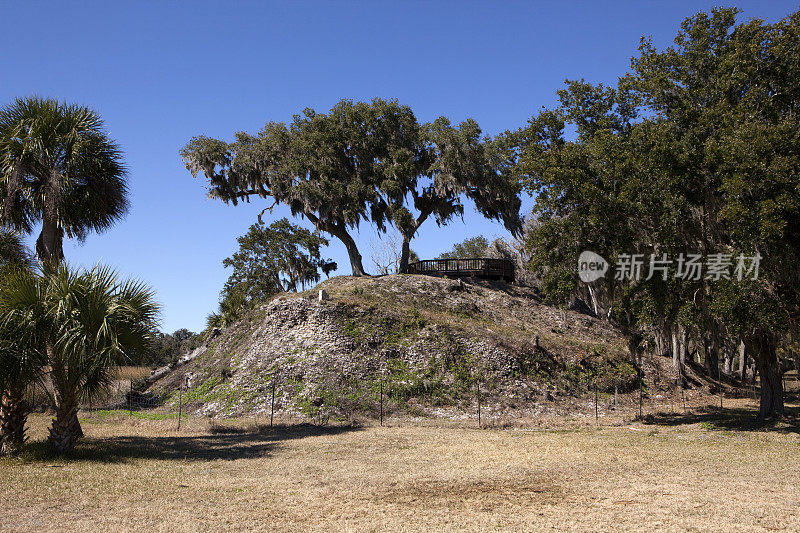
(463, 268)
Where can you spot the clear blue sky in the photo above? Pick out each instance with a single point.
(162, 72)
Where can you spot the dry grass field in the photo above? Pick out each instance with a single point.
(705, 472)
(128, 373)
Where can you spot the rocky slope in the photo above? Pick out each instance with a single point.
(431, 344)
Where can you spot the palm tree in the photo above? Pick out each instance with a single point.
(12, 249)
(58, 166)
(85, 322)
(20, 362)
(231, 308)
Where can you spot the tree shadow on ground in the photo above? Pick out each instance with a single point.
(734, 419)
(221, 443)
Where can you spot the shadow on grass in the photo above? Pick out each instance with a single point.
(734, 419)
(223, 443)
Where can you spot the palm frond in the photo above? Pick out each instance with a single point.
(12, 249)
(86, 321)
(57, 160)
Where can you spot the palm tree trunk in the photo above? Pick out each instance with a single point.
(13, 417)
(66, 429)
(77, 424)
(49, 245)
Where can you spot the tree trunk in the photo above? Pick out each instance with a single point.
(352, 249)
(593, 298)
(712, 355)
(634, 340)
(77, 423)
(764, 351)
(727, 361)
(49, 245)
(683, 344)
(339, 230)
(405, 254)
(13, 417)
(742, 362)
(676, 356)
(408, 232)
(65, 430)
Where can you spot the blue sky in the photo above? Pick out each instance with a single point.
(162, 72)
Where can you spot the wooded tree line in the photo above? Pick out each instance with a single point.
(167, 348)
(695, 150)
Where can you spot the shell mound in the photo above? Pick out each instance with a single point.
(430, 344)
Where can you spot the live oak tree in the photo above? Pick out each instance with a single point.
(457, 163)
(168, 347)
(586, 189)
(725, 98)
(468, 248)
(277, 258)
(271, 259)
(363, 162)
(588, 197)
(325, 167)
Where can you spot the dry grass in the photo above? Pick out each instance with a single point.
(115, 394)
(674, 473)
(131, 373)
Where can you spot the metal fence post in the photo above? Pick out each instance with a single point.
(180, 404)
(478, 390)
(272, 403)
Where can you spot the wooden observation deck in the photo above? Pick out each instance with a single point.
(484, 268)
